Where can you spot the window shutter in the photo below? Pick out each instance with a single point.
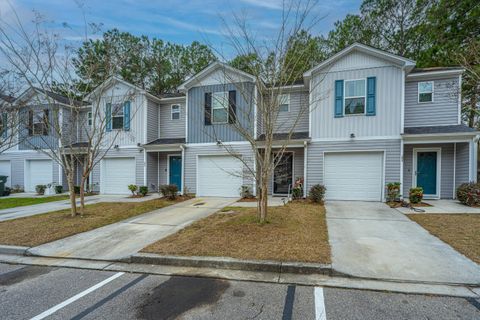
(338, 98)
(371, 89)
(232, 106)
(4, 125)
(108, 117)
(30, 122)
(126, 116)
(46, 121)
(208, 108)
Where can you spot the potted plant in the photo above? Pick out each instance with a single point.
(415, 195)
(393, 191)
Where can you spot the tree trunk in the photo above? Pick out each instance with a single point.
(82, 195)
(73, 202)
(264, 201)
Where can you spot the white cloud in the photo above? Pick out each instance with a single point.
(269, 4)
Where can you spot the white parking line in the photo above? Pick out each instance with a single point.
(320, 312)
(76, 297)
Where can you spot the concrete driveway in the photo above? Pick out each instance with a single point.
(369, 239)
(122, 239)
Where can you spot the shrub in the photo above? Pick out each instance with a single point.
(76, 189)
(393, 191)
(7, 191)
(469, 194)
(169, 190)
(143, 190)
(17, 189)
(40, 189)
(133, 188)
(246, 192)
(317, 193)
(297, 190)
(58, 189)
(415, 195)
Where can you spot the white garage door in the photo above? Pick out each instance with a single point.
(219, 176)
(38, 172)
(117, 174)
(5, 170)
(354, 176)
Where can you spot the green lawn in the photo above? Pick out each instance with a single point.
(7, 203)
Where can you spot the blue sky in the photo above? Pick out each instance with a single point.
(176, 21)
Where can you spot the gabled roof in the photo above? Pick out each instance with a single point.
(211, 68)
(114, 79)
(404, 62)
(55, 96)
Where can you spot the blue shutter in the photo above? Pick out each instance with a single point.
(4, 125)
(126, 116)
(108, 117)
(371, 89)
(338, 98)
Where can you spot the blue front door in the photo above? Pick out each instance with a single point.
(427, 172)
(175, 171)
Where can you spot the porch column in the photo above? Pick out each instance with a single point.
(305, 162)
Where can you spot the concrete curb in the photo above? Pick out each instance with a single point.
(234, 264)
(17, 250)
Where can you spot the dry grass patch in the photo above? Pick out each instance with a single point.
(295, 232)
(461, 231)
(39, 229)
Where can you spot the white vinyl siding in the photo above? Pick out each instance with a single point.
(219, 176)
(116, 175)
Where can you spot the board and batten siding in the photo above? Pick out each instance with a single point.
(442, 111)
(192, 152)
(152, 120)
(317, 150)
(387, 120)
(198, 132)
(446, 175)
(172, 128)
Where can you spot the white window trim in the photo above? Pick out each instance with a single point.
(172, 112)
(89, 118)
(123, 116)
(288, 102)
(439, 170)
(354, 97)
(432, 92)
(38, 120)
(225, 93)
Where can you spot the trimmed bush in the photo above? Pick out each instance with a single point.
(246, 192)
(133, 188)
(469, 194)
(415, 195)
(143, 190)
(40, 189)
(58, 189)
(169, 191)
(393, 191)
(317, 193)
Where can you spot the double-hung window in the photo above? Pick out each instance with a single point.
(425, 91)
(175, 111)
(220, 107)
(39, 122)
(89, 118)
(284, 103)
(117, 116)
(355, 92)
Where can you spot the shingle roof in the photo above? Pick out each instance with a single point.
(167, 141)
(172, 95)
(433, 69)
(440, 129)
(7, 98)
(284, 136)
(62, 99)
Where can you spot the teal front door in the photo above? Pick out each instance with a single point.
(175, 171)
(427, 172)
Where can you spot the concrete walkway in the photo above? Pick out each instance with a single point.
(370, 240)
(122, 239)
(26, 211)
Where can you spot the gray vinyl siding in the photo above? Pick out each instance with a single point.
(17, 165)
(462, 164)
(446, 176)
(442, 111)
(190, 164)
(152, 171)
(386, 122)
(83, 127)
(298, 166)
(316, 151)
(69, 127)
(198, 132)
(172, 128)
(152, 120)
(27, 142)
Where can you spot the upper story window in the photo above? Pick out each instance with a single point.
(283, 103)
(355, 92)
(425, 91)
(175, 111)
(220, 107)
(117, 116)
(89, 118)
(38, 123)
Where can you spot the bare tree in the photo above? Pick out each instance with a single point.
(273, 69)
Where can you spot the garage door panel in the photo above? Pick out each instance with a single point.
(219, 176)
(354, 176)
(117, 174)
(38, 172)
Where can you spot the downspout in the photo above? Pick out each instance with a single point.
(454, 169)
